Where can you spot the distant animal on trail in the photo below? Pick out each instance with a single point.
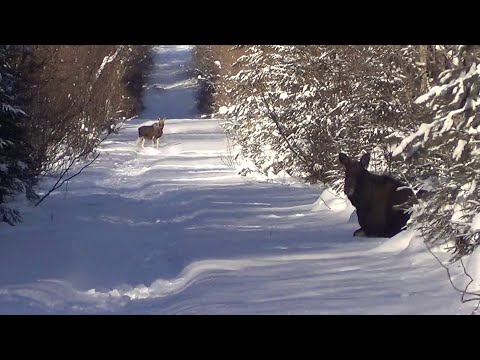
(151, 132)
(377, 198)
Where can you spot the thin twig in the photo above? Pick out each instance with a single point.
(451, 281)
(274, 117)
(471, 281)
(476, 295)
(329, 208)
(57, 185)
(59, 182)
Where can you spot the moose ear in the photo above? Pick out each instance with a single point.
(365, 160)
(343, 159)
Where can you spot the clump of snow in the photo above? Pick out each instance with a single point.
(247, 166)
(353, 219)
(475, 223)
(400, 242)
(106, 60)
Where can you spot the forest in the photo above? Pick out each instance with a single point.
(57, 104)
(414, 108)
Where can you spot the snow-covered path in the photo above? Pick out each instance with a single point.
(175, 231)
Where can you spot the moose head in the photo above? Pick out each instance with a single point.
(354, 171)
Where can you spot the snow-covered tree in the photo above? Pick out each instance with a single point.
(294, 108)
(448, 141)
(207, 73)
(17, 169)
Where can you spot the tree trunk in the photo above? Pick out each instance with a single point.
(424, 61)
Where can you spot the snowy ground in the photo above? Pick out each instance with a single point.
(175, 231)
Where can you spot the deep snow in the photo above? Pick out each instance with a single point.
(176, 231)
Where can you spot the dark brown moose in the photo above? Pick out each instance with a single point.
(379, 199)
(151, 132)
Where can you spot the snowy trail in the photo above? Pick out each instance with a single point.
(175, 231)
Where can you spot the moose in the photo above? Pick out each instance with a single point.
(379, 199)
(151, 132)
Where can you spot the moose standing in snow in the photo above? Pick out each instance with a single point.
(377, 198)
(151, 132)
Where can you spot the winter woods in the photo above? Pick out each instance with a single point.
(17, 162)
(57, 103)
(294, 108)
(449, 145)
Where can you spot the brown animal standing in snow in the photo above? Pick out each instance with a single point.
(151, 132)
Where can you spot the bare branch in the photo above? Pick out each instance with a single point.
(59, 182)
(462, 291)
(57, 185)
(274, 117)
